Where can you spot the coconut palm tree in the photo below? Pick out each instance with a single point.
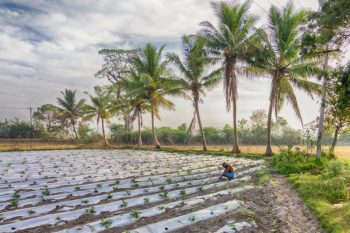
(153, 81)
(193, 68)
(278, 56)
(70, 109)
(101, 108)
(230, 41)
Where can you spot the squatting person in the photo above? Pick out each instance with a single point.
(228, 172)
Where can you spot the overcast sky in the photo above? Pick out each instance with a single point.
(47, 46)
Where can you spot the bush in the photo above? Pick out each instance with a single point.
(296, 161)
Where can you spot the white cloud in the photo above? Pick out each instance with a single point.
(48, 45)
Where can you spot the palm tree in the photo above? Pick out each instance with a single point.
(230, 40)
(194, 80)
(279, 57)
(70, 109)
(152, 81)
(101, 108)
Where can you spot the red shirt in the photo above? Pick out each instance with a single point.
(228, 168)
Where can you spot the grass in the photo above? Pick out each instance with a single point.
(324, 186)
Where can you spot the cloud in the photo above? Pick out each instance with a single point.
(49, 45)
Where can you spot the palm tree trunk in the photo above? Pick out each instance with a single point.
(155, 140)
(323, 103)
(103, 131)
(204, 141)
(139, 128)
(235, 148)
(75, 131)
(268, 151)
(335, 138)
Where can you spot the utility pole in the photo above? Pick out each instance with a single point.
(31, 121)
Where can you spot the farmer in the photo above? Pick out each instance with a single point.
(228, 172)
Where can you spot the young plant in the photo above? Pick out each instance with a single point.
(46, 192)
(124, 204)
(135, 185)
(91, 210)
(164, 195)
(183, 192)
(135, 214)
(106, 223)
(145, 190)
(146, 199)
(31, 212)
(169, 180)
(85, 201)
(192, 218)
(109, 196)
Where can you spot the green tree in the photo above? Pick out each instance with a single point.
(154, 82)
(337, 111)
(230, 40)
(101, 108)
(71, 110)
(279, 58)
(328, 29)
(194, 80)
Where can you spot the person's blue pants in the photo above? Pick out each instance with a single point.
(230, 175)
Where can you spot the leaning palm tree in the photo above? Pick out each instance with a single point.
(101, 108)
(230, 41)
(193, 68)
(278, 56)
(154, 82)
(70, 109)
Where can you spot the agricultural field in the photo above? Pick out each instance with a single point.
(132, 191)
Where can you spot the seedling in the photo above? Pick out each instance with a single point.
(200, 188)
(145, 190)
(14, 202)
(128, 192)
(164, 195)
(115, 188)
(109, 196)
(135, 214)
(15, 195)
(91, 210)
(160, 207)
(135, 185)
(146, 199)
(117, 182)
(98, 186)
(124, 204)
(106, 223)
(169, 180)
(46, 192)
(133, 180)
(192, 218)
(77, 188)
(31, 212)
(161, 188)
(85, 201)
(183, 192)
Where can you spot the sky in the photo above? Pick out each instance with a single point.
(47, 46)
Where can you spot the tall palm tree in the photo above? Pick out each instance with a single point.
(278, 56)
(230, 40)
(101, 108)
(70, 109)
(153, 81)
(193, 68)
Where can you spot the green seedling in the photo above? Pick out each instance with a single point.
(91, 210)
(124, 204)
(145, 190)
(192, 218)
(31, 212)
(161, 188)
(160, 207)
(146, 199)
(98, 186)
(183, 192)
(128, 192)
(46, 192)
(14, 202)
(200, 188)
(135, 214)
(169, 180)
(77, 188)
(106, 223)
(164, 195)
(85, 201)
(135, 185)
(117, 182)
(115, 188)
(109, 196)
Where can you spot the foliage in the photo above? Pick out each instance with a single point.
(22, 129)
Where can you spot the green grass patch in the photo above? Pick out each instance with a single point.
(324, 185)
